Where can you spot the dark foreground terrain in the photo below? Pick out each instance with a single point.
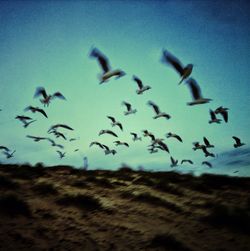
(60, 208)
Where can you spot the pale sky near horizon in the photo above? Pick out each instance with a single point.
(47, 43)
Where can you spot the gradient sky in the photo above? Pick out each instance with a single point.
(47, 43)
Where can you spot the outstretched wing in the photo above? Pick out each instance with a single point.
(111, 118)
(212, 114)
(42, 112)
(194, 88)
(58, 95)
(138, 81)
(127, 105)
(173, 61)
(224, 115)
(103, 60)
(40, 91)
(236, 139)
(111, 133)
(155, 107)
(206, 141)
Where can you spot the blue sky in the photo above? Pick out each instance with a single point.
(47, 43)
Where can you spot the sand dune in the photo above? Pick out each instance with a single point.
(60, 208)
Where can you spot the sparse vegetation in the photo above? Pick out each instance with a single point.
(44, 188)
(81, 201)
(169, 188)
(168, 242)
(12, 205)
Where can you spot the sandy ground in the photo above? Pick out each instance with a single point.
(61, 208)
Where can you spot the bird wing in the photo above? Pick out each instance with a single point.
(111, 118)
(155, 107)
(236, 139)
(195, 89)
(42, 112)
(40, 91)
(163, 146)
(178, 138)
(138, 81)
(173, 61)
(224, 115)
(65, 126)
(106, 147)
(111, 132)
(127, 105)
(206, 141)
(58, 95)
(5, 148)
(172, 160)
(103, 60)
(120, 126)
(212, 114)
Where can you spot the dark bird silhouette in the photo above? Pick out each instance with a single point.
(96, 143)
(207, 163)
(146, 133)
(115, 123)
(36, 139)
(207, 143)
(223, 112)
(54, 127)
(173, 162)
(108, 150)
(197, 146)
(73, 139)
(187, 161)
(142, 88)
(213, 118)
(36, 109)
(104, 63)
(25, 120)
(156, 109)
(61, 154)
(40, 91)
(196, 93)
(207, 154)
(119, 143)
(129, 108)
(172, 135)
(163, 146)
(8, 154)
(53, 143)
(107, 132)
(58, 134)
(135, 136)
(184, 72)
(238, 142)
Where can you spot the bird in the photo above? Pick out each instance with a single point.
(169, 135)
(58, 134)
(24, 120)
(207, 154)
(26, 124)
(184, 72)
(36, 109)
(159, 114)
(197, 146)
(47, 98)
(73, 139)
(152, 149)
(163, 146)
(8, 154)
(115, 123)
(213, 118)
(146, 133)
(104, 63)
(207, 163)
(6, 149)
(142, 88)
(53, 143)
(196, 93)
(61, 154)
(188, 161)
(207, 143)
(119, 143)
(54, 127)
(107, 132)
(129, 108)
(173, 162)
(36, 139)
(238, 142)
(135, 136)
(222, 111)
(96, 143)
(108, 151)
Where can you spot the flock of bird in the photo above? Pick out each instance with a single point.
(156, 144)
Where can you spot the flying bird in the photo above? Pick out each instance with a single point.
(8, 154)
(223, 112)
(25, 120)
(142, 88)
(163, 146)
(172, 135)
(40, 91)
(207, 154)
(53, 143)
(36, 109)
(196, 93)
(36, 139)
(96, 143)
(58, 134)
(197, 146)
(6, 149)
(159, 114)
(207, 143)
(115, 123)
(146, 133)
(61, 154)
(104, 63)
(107, 132)
(129, 109)
(187, 161)
(108, 150)
(173, 162)
(54, 127)
(207, 163)
(213, 118)
(238, 142)
(184, 71)
(135, 136)
(119, 143)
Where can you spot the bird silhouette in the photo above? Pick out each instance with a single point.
(107, 132)
(115, 123)
(173, 162)
(36, 109)
(119, 143)
(61, 154)
(223, 112)
(207, 164)
(129, 108)
(142, 88)
(156, 109)
(187, 161)
(172, 135)
(213, 118)
(135, 136)
(238, 142)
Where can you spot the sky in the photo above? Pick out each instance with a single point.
(47, 43)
